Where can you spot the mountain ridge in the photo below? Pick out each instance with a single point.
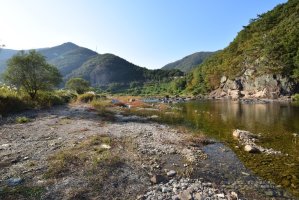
(189, 62)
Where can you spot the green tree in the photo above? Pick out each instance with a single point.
(31, 72)
(78, 84)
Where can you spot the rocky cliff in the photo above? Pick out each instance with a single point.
(251, 85)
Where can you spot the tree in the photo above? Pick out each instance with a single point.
(78, 84)
(31, 72)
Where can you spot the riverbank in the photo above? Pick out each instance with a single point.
(70, 152)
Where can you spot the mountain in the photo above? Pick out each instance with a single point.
(104, 69)
(99, 69)
(108, 68)
(5, 54)
(262, 61)
(189, 62)
(65, 57)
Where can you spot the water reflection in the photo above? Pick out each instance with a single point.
(276, 122)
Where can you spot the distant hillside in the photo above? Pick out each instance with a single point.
(108, 68)
(263, 58)
(100, 69)
(5, 54)
(188, 63)
(66, 57)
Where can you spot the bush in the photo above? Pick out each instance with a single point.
(87, 97)
(22, 120)
(295, 97)
(11, 104)
(11, 100)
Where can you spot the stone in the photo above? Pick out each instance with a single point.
(156, 179)
(105, 146)
(251, 149)
(198, 196)
(233, 195)
(185, 195)
(165, 189)
(171, 173)
(14, 181)
(5, 146)
(176, 197)
(221, 195)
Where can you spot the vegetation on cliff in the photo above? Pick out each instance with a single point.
(268, 45)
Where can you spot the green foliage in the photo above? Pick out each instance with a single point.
(31, 72)
(87, 97)
(12, 100)
(106, 69)
(78, 84)
(269, 44)
(295, 97)
(189, 62)
(22, 120)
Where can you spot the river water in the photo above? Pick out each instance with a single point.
(277, 123)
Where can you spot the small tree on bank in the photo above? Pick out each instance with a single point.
(78, 84)
(31, 72)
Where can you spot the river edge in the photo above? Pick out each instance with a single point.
(201, 170)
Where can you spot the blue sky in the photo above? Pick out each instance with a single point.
(149, 33)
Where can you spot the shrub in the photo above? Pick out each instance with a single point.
(295, 97)
(22, 120)
(87, 97)
(48, 99)
(9, 104)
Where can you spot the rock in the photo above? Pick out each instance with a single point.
(220, 195)
(156, 179)
(14, 181)
(176, 197)
(140, 197)
(251, 149)
(198, 196)
(171, 173)
(165, 189)
(105, 146)
(233, 196)
(185, 195)
(5, 146)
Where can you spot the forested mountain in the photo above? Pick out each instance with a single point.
(189, 62)
(67, 57)
(100, 69)
(263, 57)
(108, 68)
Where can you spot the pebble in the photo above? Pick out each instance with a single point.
(156, 179)
(171, 173)
(14, 181)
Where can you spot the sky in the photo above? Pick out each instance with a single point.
(148, 33)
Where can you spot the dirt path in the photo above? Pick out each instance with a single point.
(72, 153)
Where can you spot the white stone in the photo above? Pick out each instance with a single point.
(171, 173)
(251, 149)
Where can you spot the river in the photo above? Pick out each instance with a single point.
(276, 122)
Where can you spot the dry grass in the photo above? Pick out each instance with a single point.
(85, 155)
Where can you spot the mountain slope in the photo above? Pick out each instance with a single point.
(65, 57)
(5, 54)
(104, 69)
(189, 62)
(268, 49)
(108, 68)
